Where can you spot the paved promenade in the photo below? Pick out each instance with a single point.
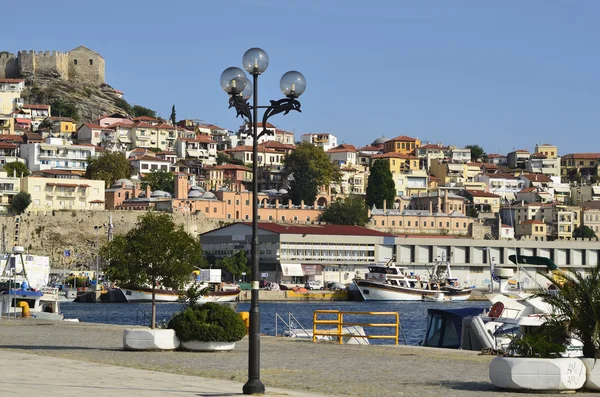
(68, 359)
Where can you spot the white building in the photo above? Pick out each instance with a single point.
(326, 141)
(201, 147)
(49, 194)
(56, 153)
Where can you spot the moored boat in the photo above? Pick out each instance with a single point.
(395, 283)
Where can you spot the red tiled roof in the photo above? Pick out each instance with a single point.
(198, 138)
(527, 190)
(582, 155)
(320, 229)
(538, 177)
(231, 167)
(403, 138)
(394, 155)
(532, 222)
(277, 145)
(433, 146)
(144, 118)
(67, 119)
(6, 145)
(342, 148)
(478, 193)
(149, 158)
(12, 138)
(369, 148)
(494, 155)
(36, 106)
(3, 80)
(23, 121)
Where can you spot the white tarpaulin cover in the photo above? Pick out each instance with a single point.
(292, 269)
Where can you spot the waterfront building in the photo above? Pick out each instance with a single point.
(9, 186)
(345, 255)
(419, 222)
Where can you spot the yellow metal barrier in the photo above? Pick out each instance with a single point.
(338, 322)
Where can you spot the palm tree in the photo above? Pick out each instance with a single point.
(576, 306)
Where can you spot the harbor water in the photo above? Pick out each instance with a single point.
(413, 315)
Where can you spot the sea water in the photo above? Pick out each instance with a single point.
(275, 315)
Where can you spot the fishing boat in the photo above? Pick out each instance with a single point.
(24, 302)
(395, 283)
(217, 291)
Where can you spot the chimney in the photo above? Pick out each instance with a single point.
(384, 205)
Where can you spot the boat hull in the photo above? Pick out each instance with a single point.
(374, 291)
(169, 296)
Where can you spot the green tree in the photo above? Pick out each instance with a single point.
(63, 108)
(381, 186)
(20, 202)
(311, 169)
(235, 265)
(477, 153)
(154, 253)
(576, 304)
(472, 212)
(108, 167)
(584, 232)
(123, 104)
(159, 180)
(16, 168)
(139, 111)
(46, 123)
(173, 116)
(351, 210)
(223, 158)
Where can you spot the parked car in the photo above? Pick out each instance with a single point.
(335, 286)
(312, 285)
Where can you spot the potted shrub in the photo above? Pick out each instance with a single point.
(576, 303)
(534, 362)
(208, 327)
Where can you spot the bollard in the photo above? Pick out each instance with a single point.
(246, 317)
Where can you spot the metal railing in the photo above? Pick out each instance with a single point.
(143, 317)
(341, 327)
(293, 331)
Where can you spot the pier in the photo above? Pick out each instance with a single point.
(88, 358)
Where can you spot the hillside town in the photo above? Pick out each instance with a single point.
(441, 189)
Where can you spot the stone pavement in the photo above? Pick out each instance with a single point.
(30, 375)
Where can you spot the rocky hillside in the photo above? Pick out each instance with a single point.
(91, 99)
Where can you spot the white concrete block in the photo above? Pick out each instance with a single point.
(592, 374)
(150, 339)
(525, 373)
(198, 346)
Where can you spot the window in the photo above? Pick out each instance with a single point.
(144, 166)
(408, 223)
(74, 61)
(393, 223)
(228, 202)
(215, 209)
(382, 223)
(91, 62)
(206, 210)
(37, 188)
(416, 223)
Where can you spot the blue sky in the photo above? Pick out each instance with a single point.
(504, 75)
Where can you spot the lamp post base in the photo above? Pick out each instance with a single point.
(253, 386)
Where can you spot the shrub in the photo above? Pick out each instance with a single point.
(210, 322)
(547, 342)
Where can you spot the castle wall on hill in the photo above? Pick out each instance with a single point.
(9, 66)
(79, 64)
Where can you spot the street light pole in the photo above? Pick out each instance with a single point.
(235, 83)
(97, 228)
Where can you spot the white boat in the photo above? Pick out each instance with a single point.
(437, 297)
(395, 283)
(143, 294)
(511, 314)
(24, 302)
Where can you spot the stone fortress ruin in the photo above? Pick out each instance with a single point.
(79, 64)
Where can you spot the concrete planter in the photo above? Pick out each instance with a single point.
(149, 339)
(592, 373)
(525, 373)
(198, 346)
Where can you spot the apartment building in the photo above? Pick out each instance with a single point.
(49, 194)
(58, 154)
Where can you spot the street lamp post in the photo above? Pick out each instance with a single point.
(240, 89)
(97, 228)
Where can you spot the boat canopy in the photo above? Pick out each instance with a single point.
(444, 327)
(533, 260)
(383, 269)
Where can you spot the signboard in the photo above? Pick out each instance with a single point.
(263, 275)
(238, 237)
(311, 270)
